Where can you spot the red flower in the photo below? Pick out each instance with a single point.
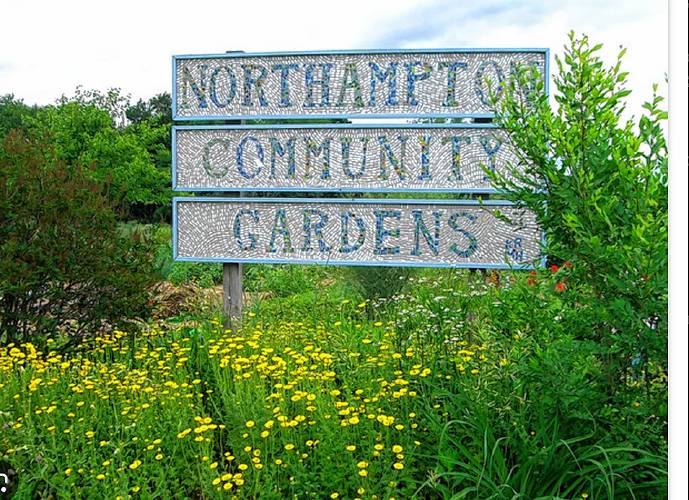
(554, 268)
(560, 287)
(533, 273)
(530, 281)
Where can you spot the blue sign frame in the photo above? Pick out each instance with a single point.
(506, 266)
(239, 55)
(408, 126)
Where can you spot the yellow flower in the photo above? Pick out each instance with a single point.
(135, 464)
(363, 473)
(100, 477)
(334, 495)
(397, 449)
(289, 446)
(350, 447)
(68, 472)
(398, 465)
(159, 456)
(250, 423)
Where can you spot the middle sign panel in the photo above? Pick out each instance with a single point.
(340, 158)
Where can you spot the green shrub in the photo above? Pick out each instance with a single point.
(598, 186)
(376, 282)
(204, 274)
(64, 265)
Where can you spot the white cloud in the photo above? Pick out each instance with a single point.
(48, 48)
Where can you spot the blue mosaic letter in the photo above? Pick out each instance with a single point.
(255, 81)
(425, 143)
(345, 246)
(420, 228)
(324, 82)
(351, 82)
(413, 77)
(237, 229)
(452, 67)
(280, 228)
(199, 89)
(480, 80)
(382, 233)
(240, 157)
(206, 158)
(318, 149)
(284, 70)
(277, 149)
(454, 224)
(232, 90)
(390, 75)
(491, 151)
(317, 229)
(387, 152)
(456, 141)
(346, 143)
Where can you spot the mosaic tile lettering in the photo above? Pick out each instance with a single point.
(356, 83)
(344, 158)
(443, 233)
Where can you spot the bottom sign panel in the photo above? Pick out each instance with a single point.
(437, 233)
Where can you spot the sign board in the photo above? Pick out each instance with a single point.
(346, 158)
(435, 233)
(393, 83)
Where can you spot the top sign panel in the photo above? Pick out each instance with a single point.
(390, 84)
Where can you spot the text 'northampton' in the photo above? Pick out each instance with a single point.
(430, 83)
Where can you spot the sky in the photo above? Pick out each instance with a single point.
(48, 48)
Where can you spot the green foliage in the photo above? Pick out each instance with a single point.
(64, 265)
(84, 134)
(598, 186)
(13, 112)
(204, 274)
(375, 282)
(285, 280)
(157, 110)
(475, 463)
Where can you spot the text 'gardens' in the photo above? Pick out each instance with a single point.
(350, 232)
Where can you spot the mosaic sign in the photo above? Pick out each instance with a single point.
(442, 233)
(339, 158)
(344, 84)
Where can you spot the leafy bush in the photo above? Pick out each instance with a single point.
(598, 186)
(64, 265)
(375, 282)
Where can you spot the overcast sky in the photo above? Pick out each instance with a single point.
(47, 48)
